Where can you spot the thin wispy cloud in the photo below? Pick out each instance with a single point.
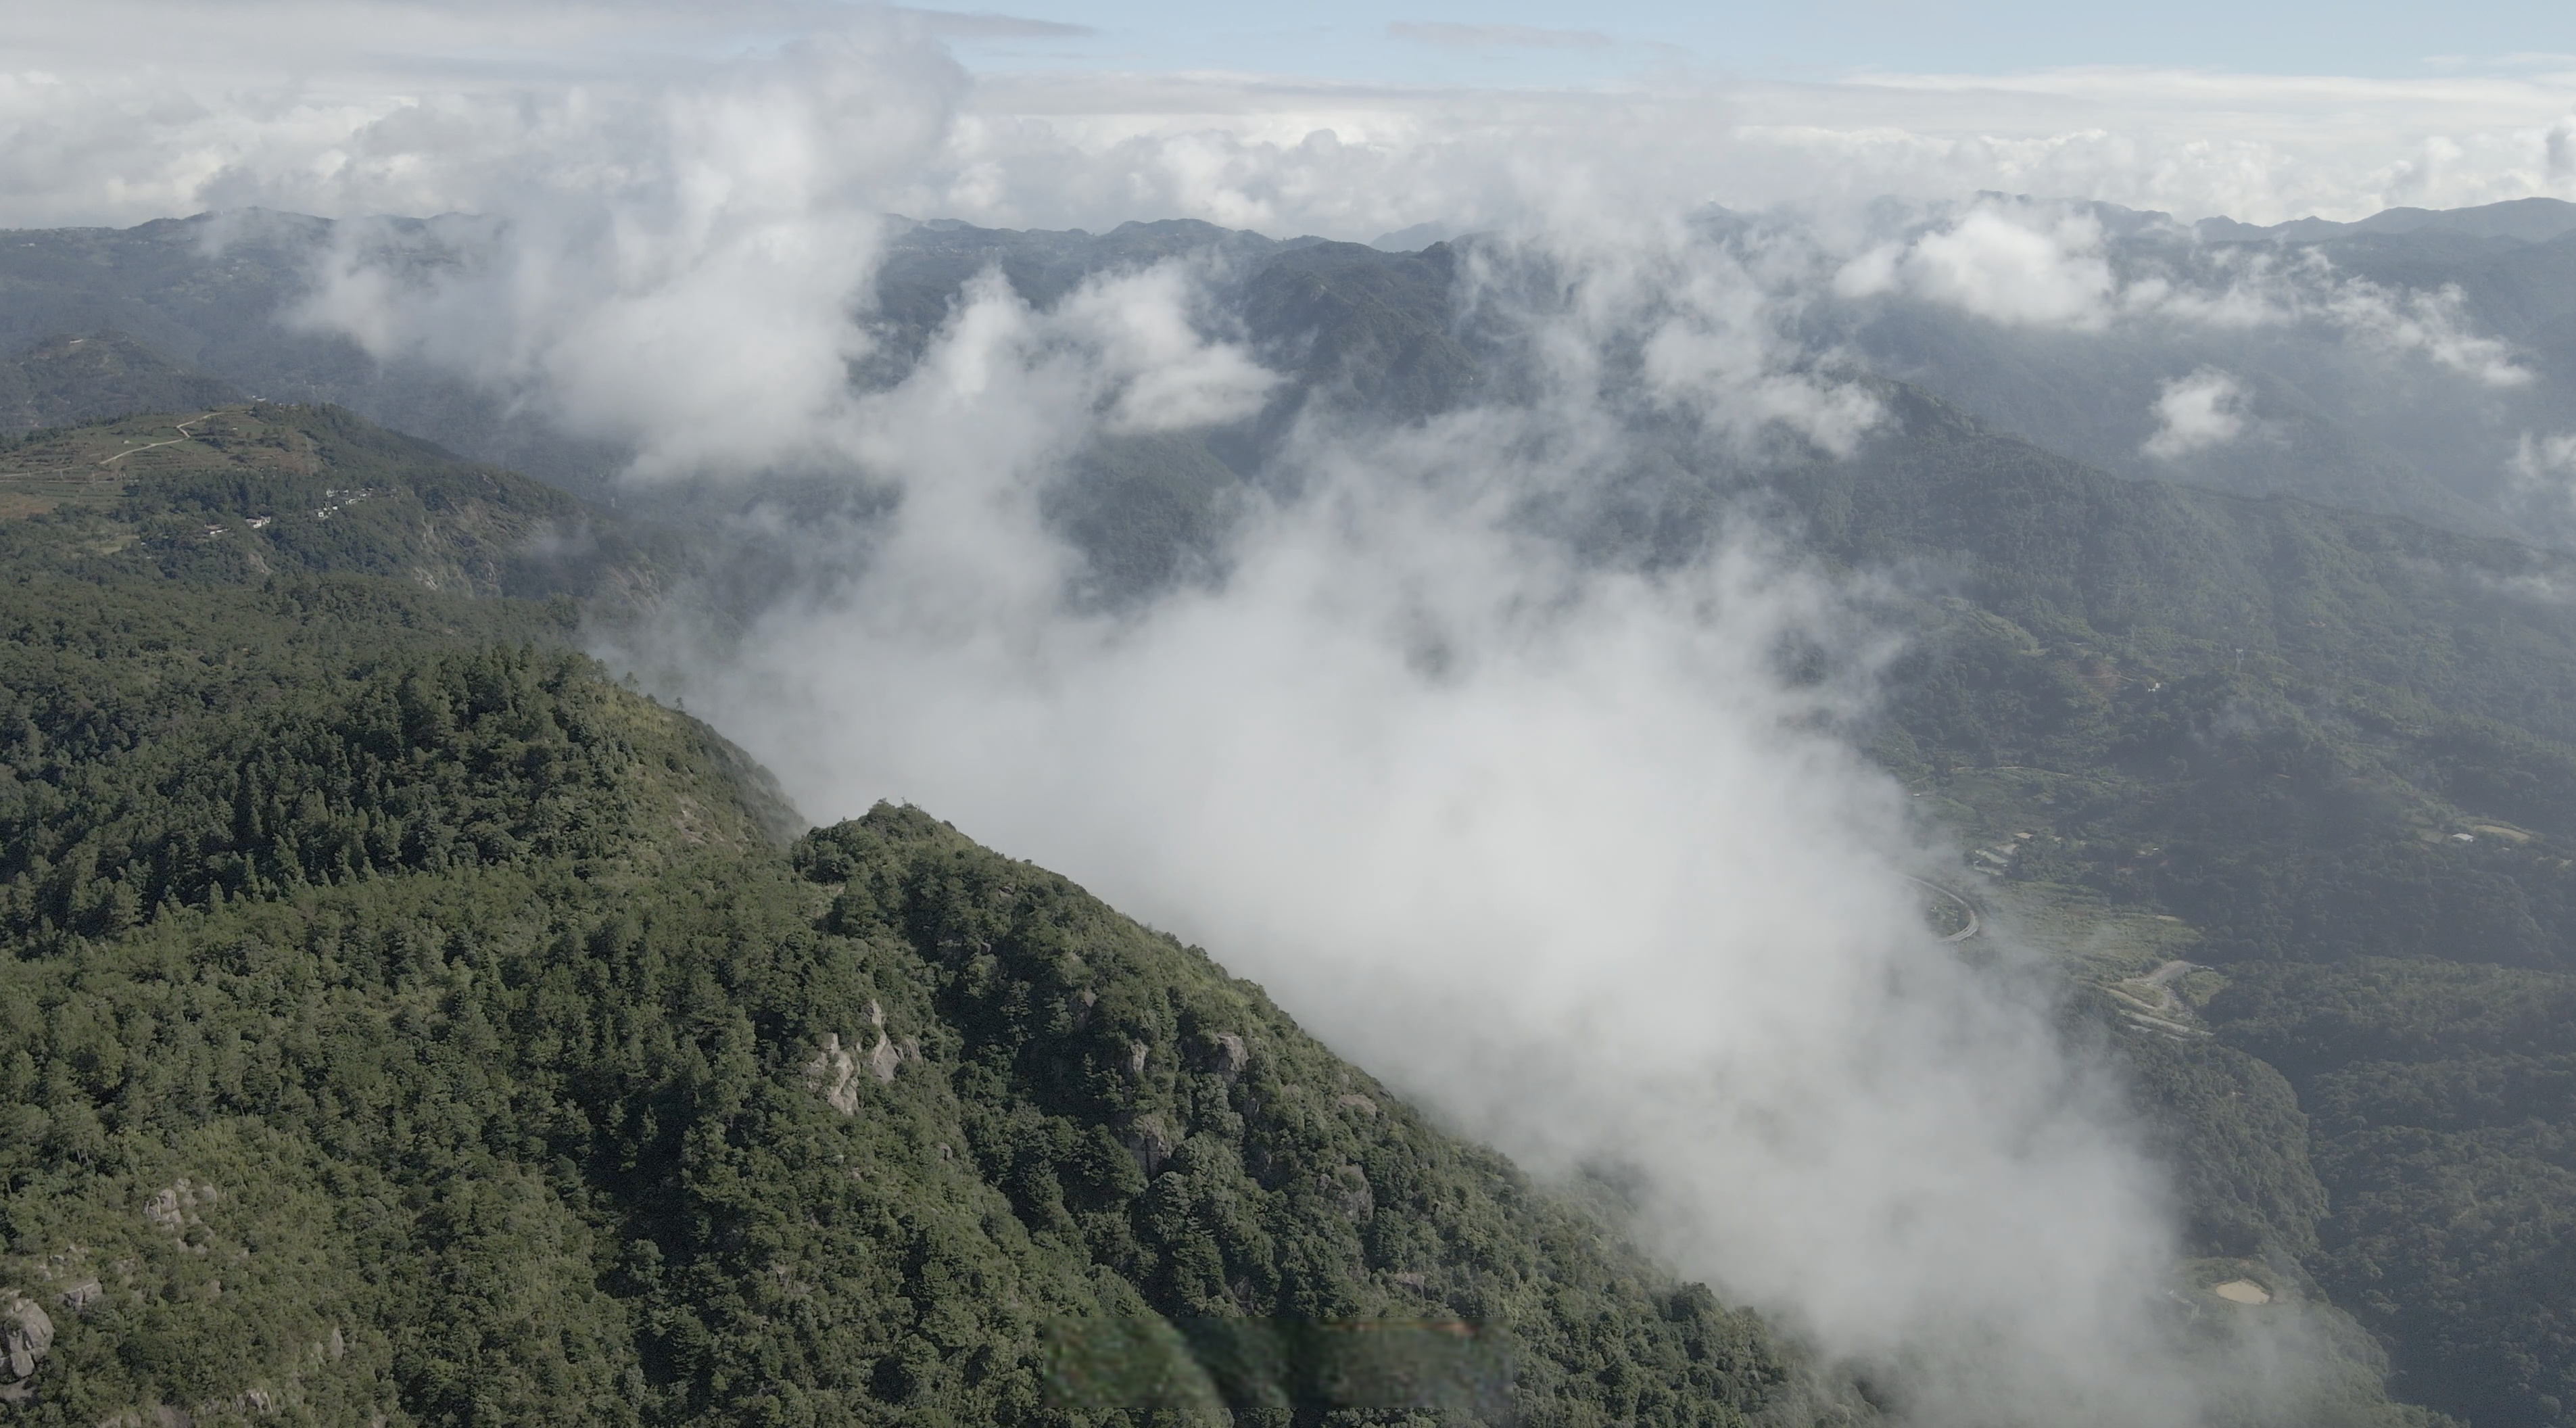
(988, 25)
(1480, 37)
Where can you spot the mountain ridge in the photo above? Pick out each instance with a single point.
(404, 1022)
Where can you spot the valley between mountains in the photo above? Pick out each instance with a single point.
(409, 1018)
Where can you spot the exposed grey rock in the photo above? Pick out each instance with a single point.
(834, 1075)
(1348, 1188)
(80, 1296)
(26, 1335)
(1148, 1141)
(174, 1206)
(1228, 1055)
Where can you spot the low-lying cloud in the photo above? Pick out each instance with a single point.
(1413, 766)
(1997, 266)
(2020, 263)
(675, 267)
(2544, 466)
(2195, 413)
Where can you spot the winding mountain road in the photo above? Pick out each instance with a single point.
(1974, 925)
(180, 427)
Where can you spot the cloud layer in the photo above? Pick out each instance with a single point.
(350, 110)
(2050, 265)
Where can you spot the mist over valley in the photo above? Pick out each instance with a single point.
(1682, 770)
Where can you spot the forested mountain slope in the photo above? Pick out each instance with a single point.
(2289, 783)
(401, 1022)
(243, 490)
(70, 379)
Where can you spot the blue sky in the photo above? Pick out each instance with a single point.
(1525, 42)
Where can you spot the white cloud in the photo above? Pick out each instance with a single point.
(2048, 265)
(1571, 818)
(2007, 265)
(195, 106)
(2544, 465)
(2192, 143)
(1705, 323)
(679, 268)
(1167, 375)
(2195, 413)
(2415, 322)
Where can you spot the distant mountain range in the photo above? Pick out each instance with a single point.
(2524, 220)
(2351, 387)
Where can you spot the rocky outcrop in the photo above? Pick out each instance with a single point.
(834, 1075)
(1349, 1189)
(26, 1336)
(1148, 1139)
(834, 1071)
(1225, 1054)
(174, 1206)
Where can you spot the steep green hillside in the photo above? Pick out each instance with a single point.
(402, 1023)
(2443, 1103)
(528, 1141)
(71, 379)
